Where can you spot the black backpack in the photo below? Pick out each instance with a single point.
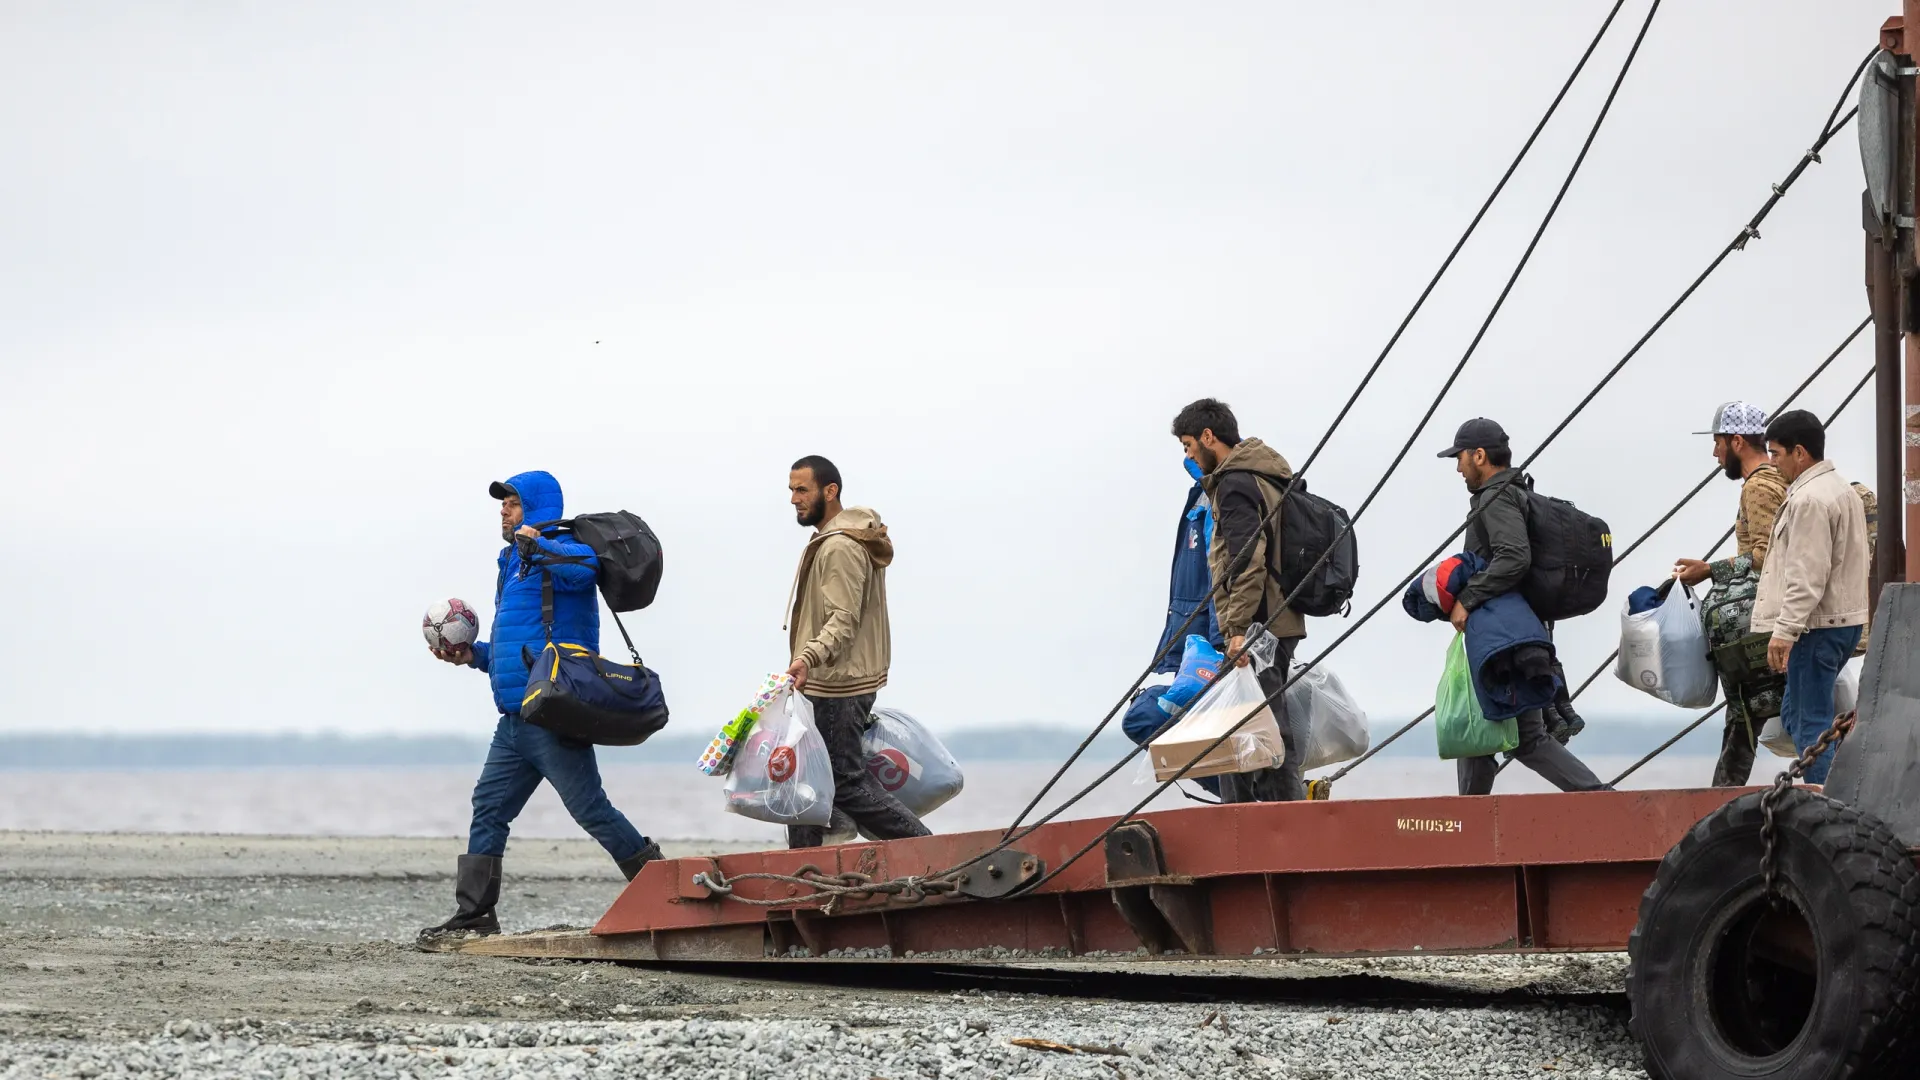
(1572, 557)
(628, 553)
(1309, 526)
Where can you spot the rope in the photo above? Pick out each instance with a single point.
(851, 884)
(1352, 399)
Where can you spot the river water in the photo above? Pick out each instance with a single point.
(665, 801)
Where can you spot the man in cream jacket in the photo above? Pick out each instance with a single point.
(841, 647)
(1812, 596)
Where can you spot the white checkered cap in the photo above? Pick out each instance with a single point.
(1738, 418)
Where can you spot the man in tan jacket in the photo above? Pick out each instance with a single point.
(1813, 589)
(837, 632)
(1242, 477)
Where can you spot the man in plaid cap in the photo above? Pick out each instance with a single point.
(1739, 433)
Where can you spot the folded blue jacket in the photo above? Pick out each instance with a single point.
(1508, 647)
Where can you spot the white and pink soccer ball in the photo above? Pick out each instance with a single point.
(450, 624)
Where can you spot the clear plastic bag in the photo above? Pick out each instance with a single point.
(781, 773)
(1663, 652)
(910, 762)
(1337, 724)
(1255, 745)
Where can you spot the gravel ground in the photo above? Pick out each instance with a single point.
(286, 958)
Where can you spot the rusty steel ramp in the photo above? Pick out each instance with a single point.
(1500, 873)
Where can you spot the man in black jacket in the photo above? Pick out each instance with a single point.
(1498, 534)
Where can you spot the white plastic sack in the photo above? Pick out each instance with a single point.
(1773, 735)
(910, 762)
(781, 773)
(1846, 689)
(1337, 724)
(1846, 697)
(1228, 701)
(1664, 652)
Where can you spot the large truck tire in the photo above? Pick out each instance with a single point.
(1724, 985)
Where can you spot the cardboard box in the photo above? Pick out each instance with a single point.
(1256, 745)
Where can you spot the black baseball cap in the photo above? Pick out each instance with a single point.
(500, 489)
(1478, 433)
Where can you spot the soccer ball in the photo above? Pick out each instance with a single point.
(450, 624)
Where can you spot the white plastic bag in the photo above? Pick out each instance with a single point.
(909, 762)
(1773, 735)
(1337, 724)
(781, 773)
(1664, 652)
(1846, 689)
(1846, 697)
(1231, 697)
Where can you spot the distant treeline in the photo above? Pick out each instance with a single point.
(1037, 744)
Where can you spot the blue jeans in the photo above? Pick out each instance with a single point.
(1806, 711)
(521, 756)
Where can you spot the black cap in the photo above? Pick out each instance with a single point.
(500, 489)
(1478, 433)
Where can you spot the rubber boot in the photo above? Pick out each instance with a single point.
(631, 867)
(476, 890)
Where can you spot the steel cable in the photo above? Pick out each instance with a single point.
(1749, 232)
(1539, 232)
(1631, 548)
(1353, 398)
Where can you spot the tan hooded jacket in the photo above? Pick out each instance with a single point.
(837, 618)
(1244, 487)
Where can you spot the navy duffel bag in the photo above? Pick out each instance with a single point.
(578, 694)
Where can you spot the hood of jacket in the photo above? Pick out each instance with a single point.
(1249, 455)
(862, 525)
(540, 497)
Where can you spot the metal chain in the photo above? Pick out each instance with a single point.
(850, 884)
(1770, 802)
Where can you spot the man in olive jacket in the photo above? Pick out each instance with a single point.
(1243, 478)
(837, 627)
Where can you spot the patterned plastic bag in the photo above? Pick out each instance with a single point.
(781, 773)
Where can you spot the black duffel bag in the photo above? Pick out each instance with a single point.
(578, 694)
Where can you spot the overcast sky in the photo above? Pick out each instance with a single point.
(283, 287)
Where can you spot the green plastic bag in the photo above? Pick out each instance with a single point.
(1461, 729)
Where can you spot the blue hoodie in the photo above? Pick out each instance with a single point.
(516, 597)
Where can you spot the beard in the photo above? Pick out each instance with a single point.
(1206, 459)
(1733, 468)
(812, 514)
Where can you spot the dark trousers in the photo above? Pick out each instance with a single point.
(1737, 744)
(1538, 751)
(1282, 782)
(521, 756)
(855, 791)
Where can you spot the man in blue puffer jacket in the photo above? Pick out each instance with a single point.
(522, 754)
(1191, 588)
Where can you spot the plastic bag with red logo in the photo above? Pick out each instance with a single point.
(909, 762)
(781, 773)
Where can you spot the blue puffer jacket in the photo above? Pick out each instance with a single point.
(516, 597)
(1191, 586)
(1192, 583)
(1508, 647)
